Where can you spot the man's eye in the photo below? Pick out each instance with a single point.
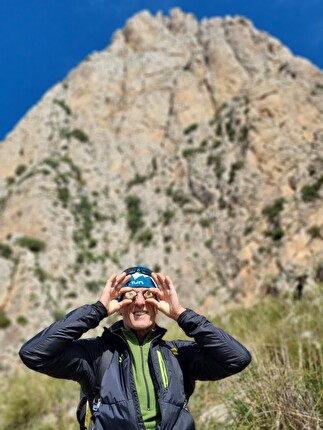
(130, 295)
(148, 295)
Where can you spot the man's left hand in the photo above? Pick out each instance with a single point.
(168, 302)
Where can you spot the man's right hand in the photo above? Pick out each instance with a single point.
(111, 292)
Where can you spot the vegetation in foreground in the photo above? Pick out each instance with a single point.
(283, 386)
(281, 389)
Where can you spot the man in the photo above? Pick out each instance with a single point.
(148, 381)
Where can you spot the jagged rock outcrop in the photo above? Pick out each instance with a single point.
(196, 148)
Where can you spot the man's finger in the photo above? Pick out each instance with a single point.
(125, 302)
(160, 280)
(121, 280)
(110, 280)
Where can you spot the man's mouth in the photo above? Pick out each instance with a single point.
(139, 313)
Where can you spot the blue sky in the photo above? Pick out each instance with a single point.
(42, 40)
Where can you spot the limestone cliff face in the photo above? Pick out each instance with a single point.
(196, 148)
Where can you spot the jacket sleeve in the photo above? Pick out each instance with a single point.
(57, 350)
(214, 354)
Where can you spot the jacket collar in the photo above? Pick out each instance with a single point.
(117, 327)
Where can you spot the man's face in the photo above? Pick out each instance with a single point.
(139, 315)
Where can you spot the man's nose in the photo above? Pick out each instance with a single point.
(140, 300)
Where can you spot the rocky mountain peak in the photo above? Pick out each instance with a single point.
(193, 147)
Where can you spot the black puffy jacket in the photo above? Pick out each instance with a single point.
(57, 351)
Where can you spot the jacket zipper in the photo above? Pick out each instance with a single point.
(144, 375)
(135, 394)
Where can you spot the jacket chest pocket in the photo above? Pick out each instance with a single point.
(170, 375)
(162, 369)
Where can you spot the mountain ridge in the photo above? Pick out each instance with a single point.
(196, 148)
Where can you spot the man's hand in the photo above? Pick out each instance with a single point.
(112, 291)
(168, 302)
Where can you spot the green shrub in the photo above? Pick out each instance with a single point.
(248, 229)
(189, 152)
(217, 117)
(20, 169)
(4, 320)
(22, 320)
(64, 106)
(5, 250)
(222, 203)
(74, 168)
(78, 134)
(310, 192)
(192, 210)
(205, 222)
(230, 129)
(315, 232)
(135, 215)
(92, 243)
(137, 180)
(318, 276)
(216, 160)
(83, 214)
(168, 215)
(243, 134)
(3, 203)
(180, 198)
(51, 162)
(272, 211)
(34, 245)
(234, 168)
(218, 130)
(216, 143)
(277, 233)
(100, 217)
(190, 128)
(41, 274)
(145, 236)
(168, 249)
(63, 195)
(10, 180)
(208, 243)
(71, 295)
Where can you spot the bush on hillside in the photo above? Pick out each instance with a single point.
(4, 320)
(34, 245)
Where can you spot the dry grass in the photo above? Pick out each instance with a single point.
(283, 387)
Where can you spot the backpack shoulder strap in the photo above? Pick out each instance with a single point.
(88, 403)
(104, 364)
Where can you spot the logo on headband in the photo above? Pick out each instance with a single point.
(136, 283)
(140, 280)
